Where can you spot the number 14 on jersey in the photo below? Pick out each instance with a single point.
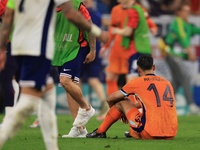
(165, 98)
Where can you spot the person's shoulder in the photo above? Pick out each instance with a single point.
(138, 79)
(132, 11)
(137, 4)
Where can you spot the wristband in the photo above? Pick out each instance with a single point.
(95, 30)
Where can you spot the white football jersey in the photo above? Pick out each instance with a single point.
(34, 26)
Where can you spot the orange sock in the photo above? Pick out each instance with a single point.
(111, 86)
(111, 117)
(133, 115)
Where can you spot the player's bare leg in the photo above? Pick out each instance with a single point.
(125, 106)
(111, 81)
(120, 109)
(97, 86)
(73, 105)
(75, 92)
(85, 110)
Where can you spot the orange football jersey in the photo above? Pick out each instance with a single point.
(156, 95)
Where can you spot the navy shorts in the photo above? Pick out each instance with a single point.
(92, 69)
(10, 66)
(133, 64)
(72, 69)
(34, 71)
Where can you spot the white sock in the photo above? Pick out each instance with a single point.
(47, 119)
(7, 111)
(17, 116)
(16, 89)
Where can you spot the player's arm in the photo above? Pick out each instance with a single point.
(92, 39)
(118, 96)
(105, 47)
(127, 31)
(195, 30)
(132, 23)
(152, 26)
(122, 94)
(5, 31)
(76, 18)
(115, 97)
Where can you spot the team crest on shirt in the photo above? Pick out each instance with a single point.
(138, 118)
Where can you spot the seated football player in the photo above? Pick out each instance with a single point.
(158, 119)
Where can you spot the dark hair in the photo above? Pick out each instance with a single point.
(182, 5)
(145, 62)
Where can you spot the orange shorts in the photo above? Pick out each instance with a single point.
(134, 118)
(118, 65)
(145, 135)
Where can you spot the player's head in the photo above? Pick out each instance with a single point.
(184, 11)
(126, 3)
(145, 65)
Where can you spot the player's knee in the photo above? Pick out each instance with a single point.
(24, 112)
(119, 104)
(65, 82)
(122, 102)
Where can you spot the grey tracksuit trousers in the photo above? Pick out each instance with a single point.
(179, 77)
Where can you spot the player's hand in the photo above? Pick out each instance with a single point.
(104, 37)
(153, 31)
(102, 52)
(2, 59)
(114, 30)
(126, 98)
(192, 57)
(90, 57)
(123, 119)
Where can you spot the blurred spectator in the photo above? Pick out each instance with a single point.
(113, 3)
(170, 6)
(103, 6)
(195, 6)
(179, 50)
(159, 7)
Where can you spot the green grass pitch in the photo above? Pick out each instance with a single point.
(187, 138)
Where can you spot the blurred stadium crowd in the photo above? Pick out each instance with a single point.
(154, 7)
